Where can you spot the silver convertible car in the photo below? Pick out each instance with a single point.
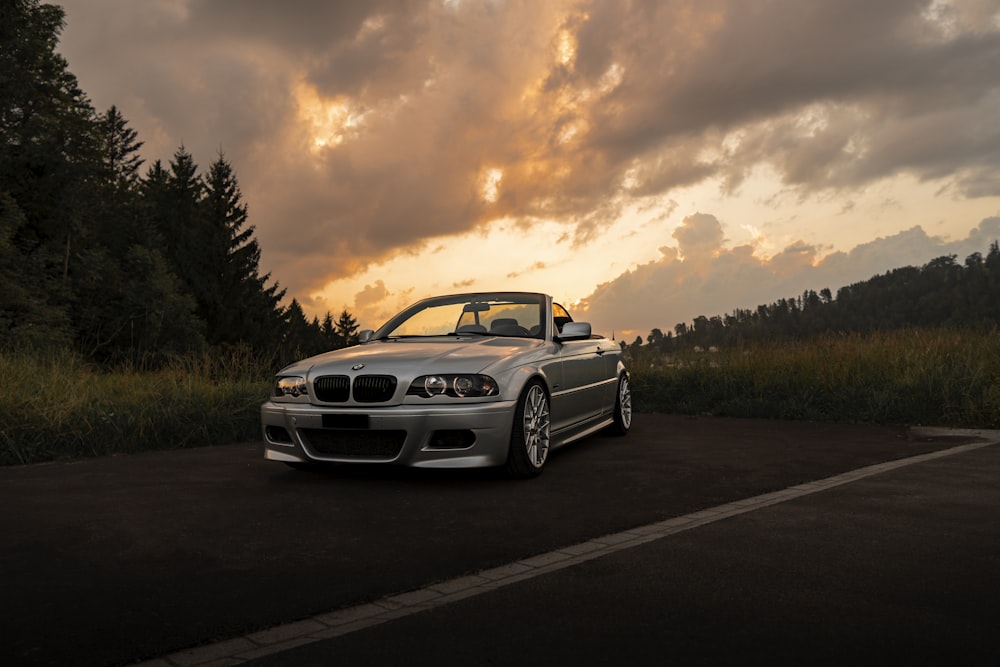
(469, 380)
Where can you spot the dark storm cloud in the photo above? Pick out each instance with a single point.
(888, 92)
(301, 26)
(344, 47)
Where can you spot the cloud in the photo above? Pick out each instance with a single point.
(370, 295)
(672, 289)
(360, 131)
(537, 266)
(699, 237)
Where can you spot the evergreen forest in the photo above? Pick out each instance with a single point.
(116, 260)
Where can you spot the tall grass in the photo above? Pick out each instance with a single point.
(54, 405)
(943, 377)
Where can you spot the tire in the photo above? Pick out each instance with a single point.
(623, 407)
(529, 436)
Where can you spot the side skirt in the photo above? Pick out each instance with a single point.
(579, 431)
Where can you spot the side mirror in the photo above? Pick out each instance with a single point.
(575, 331)
(365, 335)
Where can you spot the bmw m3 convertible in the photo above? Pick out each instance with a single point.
(468, 380)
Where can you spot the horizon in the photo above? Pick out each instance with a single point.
(753, 153)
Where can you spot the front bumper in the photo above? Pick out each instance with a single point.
(437, 436)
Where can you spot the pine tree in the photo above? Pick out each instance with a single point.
(120, 150)
(347, 328)
(301, 338)
(330, 335)
(240, 303)
(47, 152)
(100, 282)
(154, 208)
(180, 225)
(117, 184)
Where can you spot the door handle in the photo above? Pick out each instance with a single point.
(600, 351)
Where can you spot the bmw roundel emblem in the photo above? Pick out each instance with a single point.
(357, 367)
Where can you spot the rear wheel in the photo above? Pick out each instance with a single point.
(623, 407)
(529, 437)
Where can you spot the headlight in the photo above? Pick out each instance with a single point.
(434, 385)
(291, 385)
(457, 386)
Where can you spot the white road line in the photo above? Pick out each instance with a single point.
(345, 621)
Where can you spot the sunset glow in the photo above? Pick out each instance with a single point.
(328, 122)
(647, 162)
(491, 185)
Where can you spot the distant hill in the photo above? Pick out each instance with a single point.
(940, 293)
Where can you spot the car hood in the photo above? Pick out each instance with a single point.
(405, 357)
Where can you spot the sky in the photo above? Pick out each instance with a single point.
(643, 161)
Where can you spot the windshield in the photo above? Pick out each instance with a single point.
(493, 314)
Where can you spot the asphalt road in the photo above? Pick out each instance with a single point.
(115, 560)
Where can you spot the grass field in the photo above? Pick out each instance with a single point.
(57, 406)
(939, 377)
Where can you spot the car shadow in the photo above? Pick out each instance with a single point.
(327, 472)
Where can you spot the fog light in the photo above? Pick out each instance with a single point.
(278, 435)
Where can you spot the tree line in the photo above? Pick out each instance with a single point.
(942, 292)
(120, 264)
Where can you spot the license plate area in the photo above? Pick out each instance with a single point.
(346, 421)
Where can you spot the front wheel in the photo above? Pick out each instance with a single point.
(623, 407)
(529, 437)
